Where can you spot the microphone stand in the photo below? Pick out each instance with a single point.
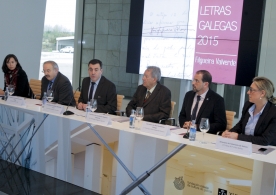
(68, 112)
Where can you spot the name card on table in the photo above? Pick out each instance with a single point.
(101, 119)
(156, 129)
(14, 100)
(53, 108)
(232, 145)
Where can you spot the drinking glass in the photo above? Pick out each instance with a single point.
(204, 127)
(93, 104)
(11, 89)
(139, 115)
(50, 95)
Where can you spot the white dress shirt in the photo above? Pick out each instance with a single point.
(202, 97)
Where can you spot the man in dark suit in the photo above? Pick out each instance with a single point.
(202, 102)
(96, 86)
(152, 96)
(58, 83)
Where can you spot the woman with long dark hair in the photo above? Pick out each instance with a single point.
(16, 76)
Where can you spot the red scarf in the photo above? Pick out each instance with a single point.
(11, 77)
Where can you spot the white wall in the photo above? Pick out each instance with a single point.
(22, 24)
(267, 65)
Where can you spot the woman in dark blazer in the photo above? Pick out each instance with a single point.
(258, 121)
(15, 75)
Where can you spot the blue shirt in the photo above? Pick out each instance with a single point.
(252, 121)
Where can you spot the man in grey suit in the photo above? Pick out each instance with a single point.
(152, 96)
(96, 86)
(202, 102)
(58, 83)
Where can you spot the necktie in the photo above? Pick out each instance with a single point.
(147, 96)
(50, 85)
(91, 91)
(195, 108)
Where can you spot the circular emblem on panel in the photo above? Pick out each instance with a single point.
(179, 183)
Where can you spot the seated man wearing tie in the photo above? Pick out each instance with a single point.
(57, 83)
(96, 86)
(202, 102)
(152, 96)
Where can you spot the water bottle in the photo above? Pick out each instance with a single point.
(6, 95)
(192, 134)
(44, 99)
(88, 108)
(132, 119)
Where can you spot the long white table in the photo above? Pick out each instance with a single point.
(61, 139)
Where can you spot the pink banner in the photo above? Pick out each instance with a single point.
(218, 33)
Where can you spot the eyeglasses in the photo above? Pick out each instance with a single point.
(253, 90)
(44, 71)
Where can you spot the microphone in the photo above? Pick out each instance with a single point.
(68, 112)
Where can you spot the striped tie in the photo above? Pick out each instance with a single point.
(195, 108)
(147, 96)
(50, 85)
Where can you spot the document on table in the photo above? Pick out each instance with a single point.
(33, 101)
(177, 130)
(120, 119)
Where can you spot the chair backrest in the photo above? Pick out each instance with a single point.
(76, 96)
(230, 118)
(119, 102)
(35, 85)
(172, 108)
(170, 120)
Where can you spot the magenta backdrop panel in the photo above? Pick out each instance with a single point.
(218, 33)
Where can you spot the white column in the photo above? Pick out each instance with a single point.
(51, 167)
(64, 163)
(15, 140)
(93, 167)
(38, 149)
(263, 178)
(147, 152)
(125, 153)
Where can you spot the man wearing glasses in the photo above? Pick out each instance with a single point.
(56, 83)
(202, 102)
(96, 86)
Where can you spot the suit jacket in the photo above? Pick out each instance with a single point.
(265, 129)
(22, 88)
(62, 88)
(212, 108)
(157, 106)
(105, 94)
